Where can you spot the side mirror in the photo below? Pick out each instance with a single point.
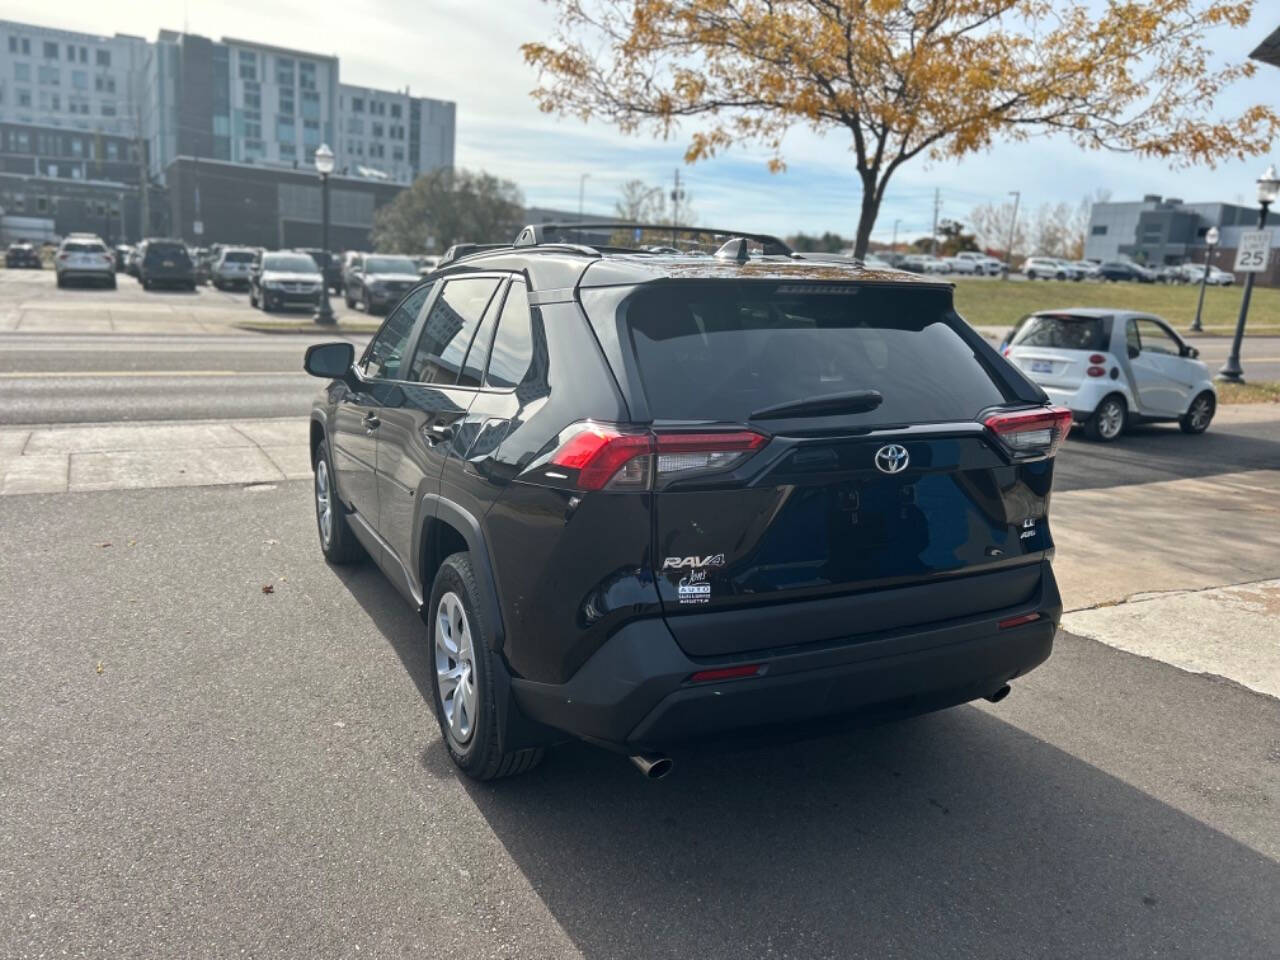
(329, 361)
(1190, 351)
(1133, 351)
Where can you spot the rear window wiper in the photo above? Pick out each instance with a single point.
(830, 404)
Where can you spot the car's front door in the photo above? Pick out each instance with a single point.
(419, 434)
(1163, 388)
(357, 418)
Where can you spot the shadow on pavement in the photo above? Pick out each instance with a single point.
(950, 835)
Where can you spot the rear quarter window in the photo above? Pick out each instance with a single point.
(721, 351)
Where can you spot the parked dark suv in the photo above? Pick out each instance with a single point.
(646, 498)
(165, 263)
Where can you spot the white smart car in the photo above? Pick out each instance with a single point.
(1114, 367)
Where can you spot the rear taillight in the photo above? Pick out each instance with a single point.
(728, 673)
(1096, 372)
(1036, 432)
(600, 456)
(1097, 358)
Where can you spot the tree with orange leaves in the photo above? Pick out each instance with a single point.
(942, 78)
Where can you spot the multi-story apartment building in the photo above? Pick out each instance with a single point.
(116, 110)
(393, 133)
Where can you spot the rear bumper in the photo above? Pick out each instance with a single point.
(634, 693)
(286, 300)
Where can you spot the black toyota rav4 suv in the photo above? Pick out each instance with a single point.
(642, 498)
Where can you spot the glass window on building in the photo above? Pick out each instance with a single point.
(108, 109)
(49, 75)
(13, 44)
(24, 98)
(288, 151)
(22, 72)
(377, 130)
(252, 99)
(307, 75)
(310, 105)
(113, 150)
(79, 80)
(395, 111)
(357, 104)
(77, 147)
(26, 45)
(285, 129)
(103, 58)
(84, 54)
(50, 50)
(248, 66)
(71, 52)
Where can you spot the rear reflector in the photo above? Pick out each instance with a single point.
(1037, 432)
(607, 457)
(1096, 372)
(727, 673)
(1019, 621)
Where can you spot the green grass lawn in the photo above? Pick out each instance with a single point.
(998, 303)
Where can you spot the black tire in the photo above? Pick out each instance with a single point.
(61, 282)
(1196, 420)
(365, 302)
(1108, 420)
(111, 284)
(348, 299)
(340, 547)
(472, 742)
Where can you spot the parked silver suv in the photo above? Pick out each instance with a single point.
(83, 256)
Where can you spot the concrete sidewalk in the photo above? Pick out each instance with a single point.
(132, 456)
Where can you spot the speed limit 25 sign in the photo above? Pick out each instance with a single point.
(1253, 252)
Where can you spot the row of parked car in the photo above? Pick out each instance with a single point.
(274, 279)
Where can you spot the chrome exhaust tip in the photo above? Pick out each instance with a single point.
(653, 766)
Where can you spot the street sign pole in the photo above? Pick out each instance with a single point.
(1210, 239)
(1251, 257)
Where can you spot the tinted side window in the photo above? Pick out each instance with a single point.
(1156, 339)
(386, 352)
(1131, 338)
(449, 328)
(513, 345)
(478, 355)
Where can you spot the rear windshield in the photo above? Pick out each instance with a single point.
(290, 262)
(1061, 331)
(238, 256)
(167, 251)
(389, 265)
(84, 248)
(721, 351)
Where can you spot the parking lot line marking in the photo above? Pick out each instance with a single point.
(144, 373)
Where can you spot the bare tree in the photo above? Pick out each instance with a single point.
(991, 223)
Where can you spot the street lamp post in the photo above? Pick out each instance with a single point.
(324, 166)
(1211, 240)
(1268, 190)
(895, 235)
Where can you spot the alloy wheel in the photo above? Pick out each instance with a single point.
(324, 502)
(1201, 411)
(1110, 419)
(455, 667)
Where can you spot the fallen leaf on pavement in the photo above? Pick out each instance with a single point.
(105, 543)
(270, 542)
(268, 588)
(100, 667)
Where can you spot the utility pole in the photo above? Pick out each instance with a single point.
(582, 182)
(1013, 228)
(937, 205)
(676, 196)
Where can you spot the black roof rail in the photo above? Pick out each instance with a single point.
(460, 250)
(536, 234)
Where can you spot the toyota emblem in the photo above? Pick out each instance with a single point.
(892, 458)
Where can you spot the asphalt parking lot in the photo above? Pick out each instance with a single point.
(192, 765)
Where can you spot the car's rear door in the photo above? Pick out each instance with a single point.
(893, 507)
(420, 432)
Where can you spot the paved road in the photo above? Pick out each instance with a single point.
(50, 378)
(191, 767)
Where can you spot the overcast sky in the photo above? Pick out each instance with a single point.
(468, 51)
